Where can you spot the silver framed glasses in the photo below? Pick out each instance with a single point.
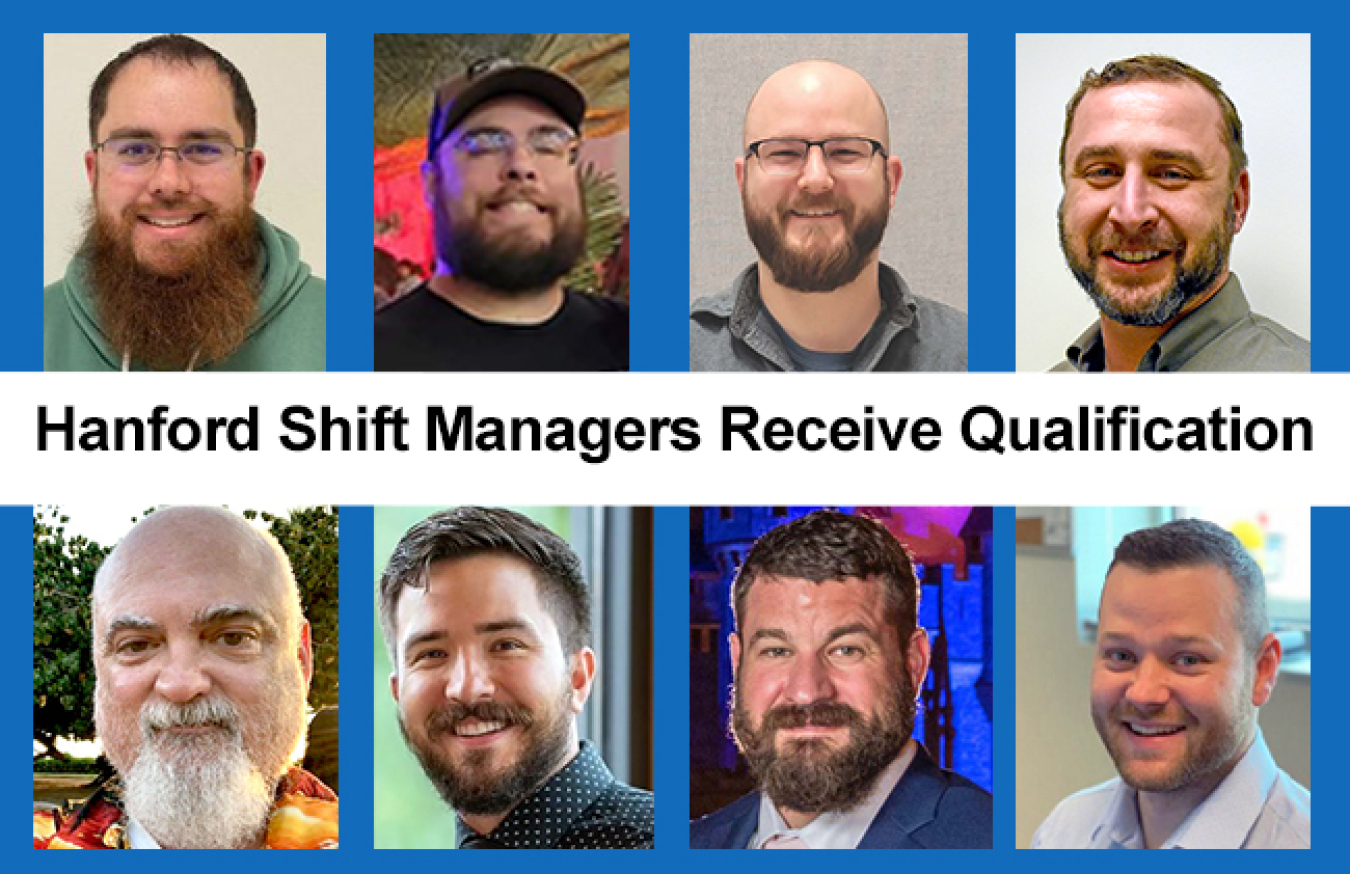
(786, 156)
(139, 152)
(544, 143)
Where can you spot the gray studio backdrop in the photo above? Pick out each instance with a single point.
(921, 78)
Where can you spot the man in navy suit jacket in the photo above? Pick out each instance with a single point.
(827, 656)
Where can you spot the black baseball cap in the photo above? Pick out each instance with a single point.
(495, 77)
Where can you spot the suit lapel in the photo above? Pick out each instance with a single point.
(911, 806)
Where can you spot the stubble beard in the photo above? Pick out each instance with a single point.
(811, 269)
(469, 785)
(811, 776)
(1188, 282)
(512, 262)
(209, 791)
(194, 309)
(1214, 754)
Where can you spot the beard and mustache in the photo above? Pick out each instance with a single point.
(809, 268)
(812, 775)
(195, 308)
(212, 788)
(512, 262)
(470, 785)
(1189, 281)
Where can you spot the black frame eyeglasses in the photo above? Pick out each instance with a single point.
(787, 156)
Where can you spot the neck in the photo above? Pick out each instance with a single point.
(493, 305)
(1161, 813)
(486, 823)
(1126, 345)
(832, 321)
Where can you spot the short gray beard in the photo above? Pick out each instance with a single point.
(200, 792)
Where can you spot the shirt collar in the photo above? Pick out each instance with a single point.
(749, 320)
(1222, 821)
(140, 839)
(1182, 342)
(834, 830)
(547, 815)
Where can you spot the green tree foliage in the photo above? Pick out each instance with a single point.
(64, 566)
(310, 537)
(63, 663)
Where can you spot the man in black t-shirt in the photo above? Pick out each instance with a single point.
(510, 222)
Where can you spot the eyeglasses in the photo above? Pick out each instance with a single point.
(545, 143)
(138, 152)
(786, 156)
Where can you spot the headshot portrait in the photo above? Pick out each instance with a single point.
(1164, 666)
(841, 678)
(501, 191)
(185, 679)
(827, 202)
(184, 210)
(517, 668)
(1164, 202)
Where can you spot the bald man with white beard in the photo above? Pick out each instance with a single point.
(203, 663)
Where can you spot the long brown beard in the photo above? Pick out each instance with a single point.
(196, 312)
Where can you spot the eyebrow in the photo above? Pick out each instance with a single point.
(493, 129)
(1176, 156)
(1174, 639)
(845, 630)
(126, 622)
(438, 634)
(224, 613)
(144, 133)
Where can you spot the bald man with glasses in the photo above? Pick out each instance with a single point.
(818, 182)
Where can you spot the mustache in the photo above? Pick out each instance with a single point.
(1158, 239)
(824, 714)
(162, 715)
(444, 720)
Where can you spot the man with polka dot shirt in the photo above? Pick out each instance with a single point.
(487, 620)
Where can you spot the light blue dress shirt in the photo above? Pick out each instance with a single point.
(1256, 807)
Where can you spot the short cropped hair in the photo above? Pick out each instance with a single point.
(831, 545)
(1160, 68)
(466, 532)
(175, 48)
(1197, 543)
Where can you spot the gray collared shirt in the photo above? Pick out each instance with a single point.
(732, 331)
(1256, 807)
(1222, 335)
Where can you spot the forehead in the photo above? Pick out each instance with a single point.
(1149, 115)
(1201, 599)
(779, 601)
(514, 112)
(168, 98)
(814, 102)
(465, 592)
(171, 581)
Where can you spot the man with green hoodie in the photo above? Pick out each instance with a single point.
(176, 271)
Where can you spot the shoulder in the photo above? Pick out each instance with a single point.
(623, 818)
(1070, 825)
(727, 829)
(599, 312)
(962, 813)
(1286, 819)
(710, 341)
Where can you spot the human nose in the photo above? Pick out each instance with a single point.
(1133, 207)
(815, 175)
(808, 681)
(182, 678)
(169, 177)
(1149, 686)
(519, 162)
(469, 680)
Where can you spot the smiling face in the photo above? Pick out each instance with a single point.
(1149, 209)
(816, 230)
(170, 208)
(1175, 691)
(202, 671)
(824, 691)
(487, 698)
(512, 221)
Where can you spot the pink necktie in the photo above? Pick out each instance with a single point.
(785, 842)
